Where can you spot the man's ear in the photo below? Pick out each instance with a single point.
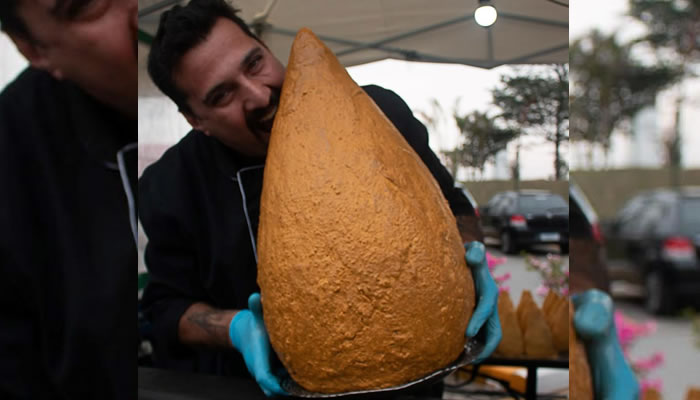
(35, 54)
(194, 121)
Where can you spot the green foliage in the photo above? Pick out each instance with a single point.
(530, 103)
(609, 86)
(535, 101)
(673, 25)
(537, 104)
(673, 29)
(482, 140)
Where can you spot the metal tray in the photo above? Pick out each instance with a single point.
(472, 349)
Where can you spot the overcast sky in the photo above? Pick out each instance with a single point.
(11, 63)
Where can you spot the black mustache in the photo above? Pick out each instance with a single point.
(253, 119)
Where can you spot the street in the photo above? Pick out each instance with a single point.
(674, 338)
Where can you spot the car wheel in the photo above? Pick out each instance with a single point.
(659, 300)
(507, 245)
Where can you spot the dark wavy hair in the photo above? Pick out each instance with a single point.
(180, 30)
(10, 21)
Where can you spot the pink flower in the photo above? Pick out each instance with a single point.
(504, 288)
(542, 290)
(656, 384)
(502, 278)
(650, 363)
(555, 275)
(494, 261)
(626, 331)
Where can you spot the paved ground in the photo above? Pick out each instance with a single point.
(674, 337)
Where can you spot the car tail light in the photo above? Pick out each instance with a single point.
(476, 212)
(597, 233)
(518, 221)
(678, 248)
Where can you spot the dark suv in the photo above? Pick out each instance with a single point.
(654, 240)
(528, 217)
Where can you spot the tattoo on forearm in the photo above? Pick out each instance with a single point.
(214, 323)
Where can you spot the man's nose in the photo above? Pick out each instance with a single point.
(257, 95)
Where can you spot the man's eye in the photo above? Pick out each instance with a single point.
(220, 97)
(216, 99)
(255, 64)
(85, 9)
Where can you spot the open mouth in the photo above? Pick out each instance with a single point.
(265, 123)
(260, 121)
(262, 127)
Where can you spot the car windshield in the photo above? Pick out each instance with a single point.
(540, 203)
(690, 215)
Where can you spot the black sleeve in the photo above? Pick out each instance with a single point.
(67, 258)
(19, 359)
(417, 136)
(170, 260)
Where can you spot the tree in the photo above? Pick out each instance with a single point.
(483, 139)
(538, 104)
(672, 25)
(609, 86)
(434, 120)
(673, 30)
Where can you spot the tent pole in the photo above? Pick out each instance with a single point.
(521, 59)
(533, 20)
(408, 34)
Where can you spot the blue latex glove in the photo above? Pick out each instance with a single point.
(613, 378)
(487, 300)
(248, 335)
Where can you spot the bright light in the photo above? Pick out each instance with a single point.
(485, 15)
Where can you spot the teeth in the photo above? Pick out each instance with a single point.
(270, 115)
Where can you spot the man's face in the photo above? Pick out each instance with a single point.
(233, 84)
(89, 42)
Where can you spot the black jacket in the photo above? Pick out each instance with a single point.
(68, 259)
(200, 247)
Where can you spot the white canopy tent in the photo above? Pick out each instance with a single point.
(362, 31)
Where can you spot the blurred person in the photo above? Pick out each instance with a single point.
(67, 171)
(202, 295)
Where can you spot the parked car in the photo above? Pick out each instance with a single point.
(524, 218)
(587, 261)
(654, 241)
